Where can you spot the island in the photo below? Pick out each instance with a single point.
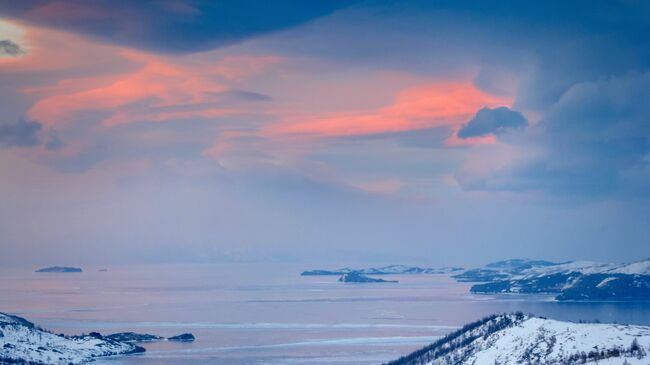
(185, 337)
(356, 277)
(59, 269)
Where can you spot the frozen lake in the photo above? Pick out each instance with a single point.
(268, 314)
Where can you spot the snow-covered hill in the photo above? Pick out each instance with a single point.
(21, 342)
(519, 339)
(516, 269)
(501, 270)
(577, 280)
(588, 267)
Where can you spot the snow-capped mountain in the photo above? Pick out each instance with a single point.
(21, 342)
(520, 339)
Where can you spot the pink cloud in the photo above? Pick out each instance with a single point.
(158, 83)
(146, 88)
(435, 104)
(426, 106)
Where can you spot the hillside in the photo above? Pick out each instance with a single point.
(21, 342)
(520, 339)
(577, 280)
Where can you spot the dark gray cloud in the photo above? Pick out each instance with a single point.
(10, 48)
(20, 134)
(594, 140)
(492, 121)
(28, 133)
(170, 26)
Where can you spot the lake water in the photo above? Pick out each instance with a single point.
(268, 314)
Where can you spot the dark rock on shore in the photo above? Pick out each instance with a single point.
(134, 337)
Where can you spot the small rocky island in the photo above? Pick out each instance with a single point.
(356, 277)
(59, 269)
(185, 337)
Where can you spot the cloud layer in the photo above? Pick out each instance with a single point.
(366, 130)
(176, 26)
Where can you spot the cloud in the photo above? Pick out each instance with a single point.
(435, 104)
(235, 95)
(160, 89)
(20, 134)
(492, 121)
(595, 140)
(176, 26)
(10, 48)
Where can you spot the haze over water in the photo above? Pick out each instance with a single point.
(268, 313)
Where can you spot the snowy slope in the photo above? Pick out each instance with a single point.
(517, 269)
(587, 267)
(518, 339)
(502, 270)
(576, 280)
(23, 343)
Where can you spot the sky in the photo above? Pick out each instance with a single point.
(418, 132)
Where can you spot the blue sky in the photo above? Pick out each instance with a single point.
(425, 132)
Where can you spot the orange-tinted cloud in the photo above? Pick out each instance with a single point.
(431, 105)
(159, 89)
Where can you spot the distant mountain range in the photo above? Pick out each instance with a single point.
(385, 270)
(576, 280)
(521, 339)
